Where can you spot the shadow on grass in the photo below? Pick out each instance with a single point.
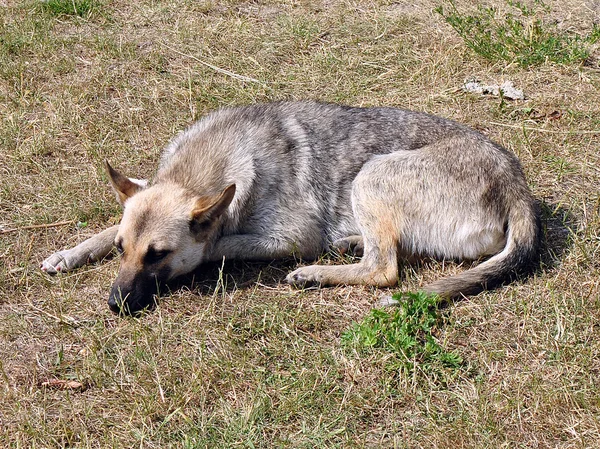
(559, 227)
(232, 275)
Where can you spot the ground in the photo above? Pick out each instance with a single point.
(233, 357)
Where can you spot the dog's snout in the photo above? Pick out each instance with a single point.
(131, 295)
(115, 300)
(113, 305)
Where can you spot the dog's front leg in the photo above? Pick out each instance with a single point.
(258, 247)
(90, 250)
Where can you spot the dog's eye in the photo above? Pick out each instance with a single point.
(119, 247)
(155, 255)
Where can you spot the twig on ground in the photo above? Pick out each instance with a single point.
(214, 67)
(38, 226)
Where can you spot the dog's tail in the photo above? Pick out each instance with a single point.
(518, 257)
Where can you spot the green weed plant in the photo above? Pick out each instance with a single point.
(519, 36)
(406, 335)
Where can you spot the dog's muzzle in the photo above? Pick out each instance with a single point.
(133, 296)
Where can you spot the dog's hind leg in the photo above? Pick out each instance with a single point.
(378, 267)
(90, 250)
(379, 218)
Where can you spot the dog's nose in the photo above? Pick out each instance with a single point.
(113, 304)
(117, 301)
(131, 303)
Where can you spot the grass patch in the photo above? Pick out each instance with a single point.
(519, 36)
(80, 8)
(405, 335)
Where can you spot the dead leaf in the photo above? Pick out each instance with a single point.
(555, 115)
(536, 115)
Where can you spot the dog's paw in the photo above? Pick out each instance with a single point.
(305, 277)
(60, 262)
(353, 245)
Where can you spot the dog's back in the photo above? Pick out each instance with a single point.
(294, 163)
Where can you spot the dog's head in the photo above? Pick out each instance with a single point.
(166, 231)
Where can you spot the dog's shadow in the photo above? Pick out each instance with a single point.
(558, 228)
(229, 276)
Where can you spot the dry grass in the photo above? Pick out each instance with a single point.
(236, 359)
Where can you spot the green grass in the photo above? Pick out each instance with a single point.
(406, 335)
(81, 8)
(233, 357)
(519, 36)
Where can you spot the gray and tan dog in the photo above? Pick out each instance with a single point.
(269, 181)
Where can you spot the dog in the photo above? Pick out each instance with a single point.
(270, 181)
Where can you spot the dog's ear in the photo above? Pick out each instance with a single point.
(123, 186)
(207, 210)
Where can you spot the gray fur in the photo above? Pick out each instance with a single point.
(391, 183)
